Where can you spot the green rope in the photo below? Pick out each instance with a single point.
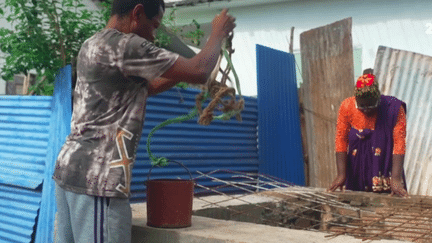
(161, 161)
(225, 52)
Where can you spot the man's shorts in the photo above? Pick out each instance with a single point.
(82, 218)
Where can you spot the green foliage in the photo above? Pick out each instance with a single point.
(48, 34)
(194, 36)
(169, 24)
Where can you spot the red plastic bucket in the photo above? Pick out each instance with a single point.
(169, 202)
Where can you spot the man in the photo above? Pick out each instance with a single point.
(370, 140)
(117, 69)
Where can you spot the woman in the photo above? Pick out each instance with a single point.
(370, 140)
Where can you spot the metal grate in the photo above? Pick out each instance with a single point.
(272, 201)
(406, 220)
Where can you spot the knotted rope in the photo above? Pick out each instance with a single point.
(217, 91)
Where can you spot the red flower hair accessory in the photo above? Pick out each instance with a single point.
(365, 80)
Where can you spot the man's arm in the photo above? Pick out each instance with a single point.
(159, 85)
(197, 69)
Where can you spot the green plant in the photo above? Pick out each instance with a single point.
(169, 25)
(48, 34)
(195, 35)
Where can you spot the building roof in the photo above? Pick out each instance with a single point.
(177, 3)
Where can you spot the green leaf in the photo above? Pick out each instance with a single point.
(41, 25)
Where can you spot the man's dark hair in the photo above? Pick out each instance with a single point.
(123, 7)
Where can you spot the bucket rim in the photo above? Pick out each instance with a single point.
(171, 181)
(192, 180)
(179, 163)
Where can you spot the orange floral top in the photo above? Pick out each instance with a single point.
(350, 116)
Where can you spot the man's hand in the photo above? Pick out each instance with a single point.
(339, 182)
(223, 24)
(198, 69)
(397, 188)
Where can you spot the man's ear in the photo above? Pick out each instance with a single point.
(138, 12)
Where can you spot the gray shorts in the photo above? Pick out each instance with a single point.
(82, 218)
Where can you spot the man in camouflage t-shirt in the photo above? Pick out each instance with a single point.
(117, 69)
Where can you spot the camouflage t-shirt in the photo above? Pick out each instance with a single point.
(113, 71)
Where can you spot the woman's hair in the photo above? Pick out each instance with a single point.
(366, 86)
(123, 7)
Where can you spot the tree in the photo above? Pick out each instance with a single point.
(48, 34)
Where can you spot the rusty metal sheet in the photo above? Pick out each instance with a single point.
(328, 74)
(408, 76)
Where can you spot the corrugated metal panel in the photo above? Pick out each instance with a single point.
(327, 62)
(59, 129)
(280, 153)
(24, 122)
(18, 211)
(24, 126)
(32, 130)
(402, 25)
(408, 76)
(230, 145)
(217, 3)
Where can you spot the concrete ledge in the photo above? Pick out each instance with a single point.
(207, 230)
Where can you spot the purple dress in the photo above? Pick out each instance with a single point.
(370, 151)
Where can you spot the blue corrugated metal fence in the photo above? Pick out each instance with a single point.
(229, 145)
(24, 126)
(24, 134)
(33, 129)
(280, 149)
(59, 128)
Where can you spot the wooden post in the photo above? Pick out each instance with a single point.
(26, 84)
(291, 41)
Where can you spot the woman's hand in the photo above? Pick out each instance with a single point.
(339, 182)
(396, 181)
(397, 188)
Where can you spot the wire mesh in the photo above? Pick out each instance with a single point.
(272, 201)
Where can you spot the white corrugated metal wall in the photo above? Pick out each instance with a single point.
(408, 76)
(399, 24)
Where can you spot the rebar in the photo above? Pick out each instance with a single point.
(401, 219)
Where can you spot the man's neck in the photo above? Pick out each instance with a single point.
(120, 24)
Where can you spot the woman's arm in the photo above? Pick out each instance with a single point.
(399, 144)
